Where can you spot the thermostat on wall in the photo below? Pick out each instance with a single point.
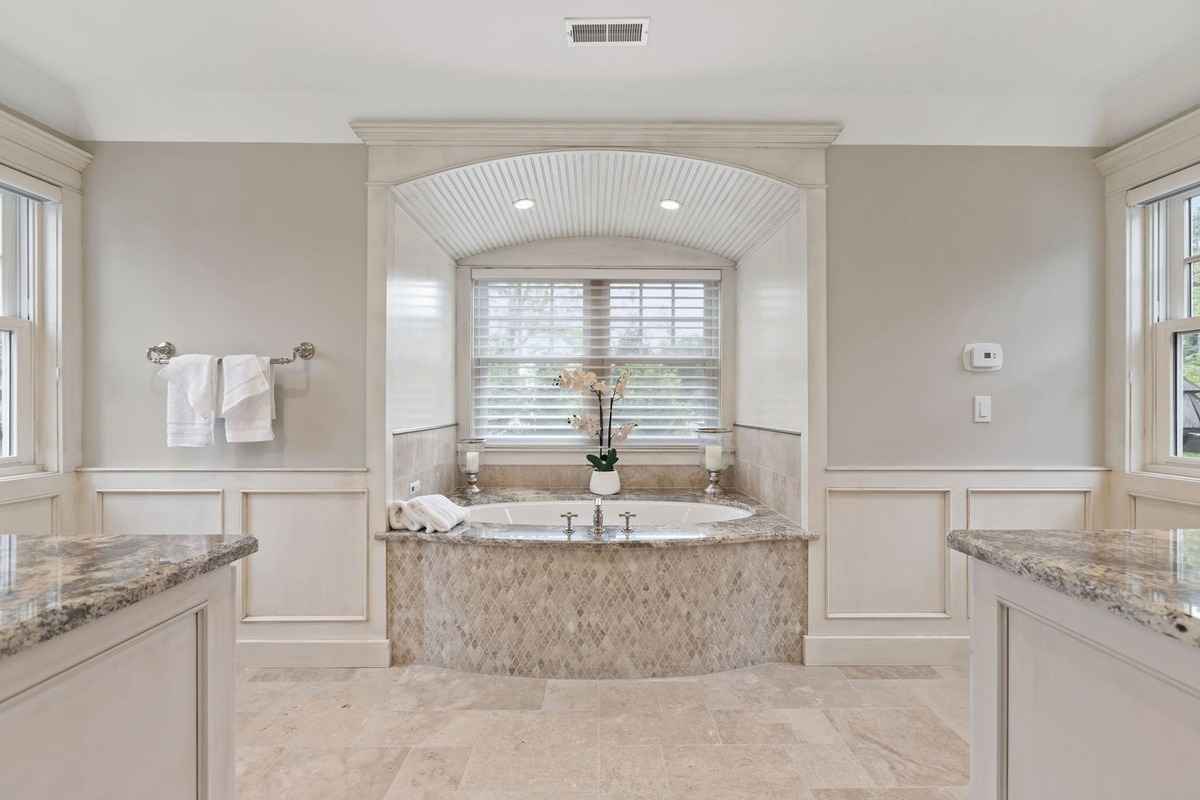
(983, 357)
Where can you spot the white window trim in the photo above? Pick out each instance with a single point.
(25, 329)
(1166, 292)
(631, 453)
(49, 168)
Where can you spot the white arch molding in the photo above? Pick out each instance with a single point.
(607, 193)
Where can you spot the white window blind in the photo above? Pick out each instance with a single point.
(665, 332)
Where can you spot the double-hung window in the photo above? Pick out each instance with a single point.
(20, 218)
(1173, 254)
(663, 327)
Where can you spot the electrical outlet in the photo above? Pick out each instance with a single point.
(413, 487)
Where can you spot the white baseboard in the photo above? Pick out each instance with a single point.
(832, 651)
(313, 653)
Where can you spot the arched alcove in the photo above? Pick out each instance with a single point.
(605, 193)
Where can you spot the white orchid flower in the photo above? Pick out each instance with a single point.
(589, 424)
(622, 433)
(571, 380)
(619, 389)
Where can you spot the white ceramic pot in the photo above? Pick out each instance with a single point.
(605, 482)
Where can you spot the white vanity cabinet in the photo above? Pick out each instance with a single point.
(137, 703)
(1085, 678)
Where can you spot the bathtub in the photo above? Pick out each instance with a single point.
(698, 586)
(650, 513)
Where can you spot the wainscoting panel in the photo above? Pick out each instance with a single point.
(312, 564)
(1152, 511)
(883, 586)
(886, 555)
(314, 593)
(1034, 509)
(126, 511)
(30, 515)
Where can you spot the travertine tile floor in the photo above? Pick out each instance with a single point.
(774, 731)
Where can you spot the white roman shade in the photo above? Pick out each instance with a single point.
(664, 328)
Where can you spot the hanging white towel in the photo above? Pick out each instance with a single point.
(191, 399)
(248, 398)
(436, 512)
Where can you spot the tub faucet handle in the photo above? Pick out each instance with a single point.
(628, 515)
(568, 517)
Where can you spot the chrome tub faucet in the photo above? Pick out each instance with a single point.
(598, 518)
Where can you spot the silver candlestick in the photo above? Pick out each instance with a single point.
(714, 483)
(470, 456)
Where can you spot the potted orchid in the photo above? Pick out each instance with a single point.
(605, 479)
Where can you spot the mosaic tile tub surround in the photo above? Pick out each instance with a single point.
(611, 609)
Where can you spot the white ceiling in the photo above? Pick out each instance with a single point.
(598, 193)
(1065, 72)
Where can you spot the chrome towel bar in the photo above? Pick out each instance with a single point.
(163, 352)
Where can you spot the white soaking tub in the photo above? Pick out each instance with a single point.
(650, 513)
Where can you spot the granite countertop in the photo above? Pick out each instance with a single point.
(763, 524)
(1150, 577)
(53, 584)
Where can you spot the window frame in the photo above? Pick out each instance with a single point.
(658, 452)
(35, 346)
(1166, 244)
(24, 408)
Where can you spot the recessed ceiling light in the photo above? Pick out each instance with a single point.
(524, 204)
(669, 205)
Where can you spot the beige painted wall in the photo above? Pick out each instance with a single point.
(934, 247)
(225, 248)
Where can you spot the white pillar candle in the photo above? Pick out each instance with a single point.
(472, 461)
(712, 457)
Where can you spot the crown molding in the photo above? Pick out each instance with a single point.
(1178, 131)
(598, 134)
(30, 149)
(43, 142)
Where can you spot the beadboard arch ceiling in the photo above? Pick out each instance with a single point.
(599, 193)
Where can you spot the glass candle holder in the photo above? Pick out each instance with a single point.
(715, 455)
(470, 456)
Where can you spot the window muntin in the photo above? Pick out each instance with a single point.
(1193, 260)
(19, 220)
(666, 332)
(1173, 252)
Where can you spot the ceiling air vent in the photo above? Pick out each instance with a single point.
(617, 32)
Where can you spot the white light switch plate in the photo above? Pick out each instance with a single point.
(413, 488)
(983, 408)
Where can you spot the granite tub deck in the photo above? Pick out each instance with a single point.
(763, 524)
(664, 601)
(1149, 577)
(52, 585)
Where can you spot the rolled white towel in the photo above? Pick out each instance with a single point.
(401, 519)
(436, 511)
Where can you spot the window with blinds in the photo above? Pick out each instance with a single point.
(666, 333)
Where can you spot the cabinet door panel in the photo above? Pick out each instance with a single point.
(122, 724)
